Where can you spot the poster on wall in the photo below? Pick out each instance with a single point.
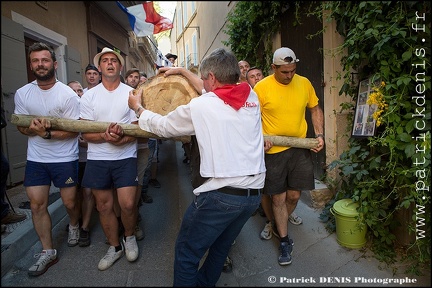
(364, 123)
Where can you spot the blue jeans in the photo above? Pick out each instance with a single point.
(212, 222)
(152, 146)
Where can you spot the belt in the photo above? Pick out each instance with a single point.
(239, 191)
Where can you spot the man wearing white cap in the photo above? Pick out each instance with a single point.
(112, 156)
(284, 97)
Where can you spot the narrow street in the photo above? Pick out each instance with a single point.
(317, 257)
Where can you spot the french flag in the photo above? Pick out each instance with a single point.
(144, 19)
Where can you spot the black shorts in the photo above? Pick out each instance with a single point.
(291, 169)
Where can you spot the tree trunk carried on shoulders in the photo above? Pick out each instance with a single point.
(161, 95)
(136, 131)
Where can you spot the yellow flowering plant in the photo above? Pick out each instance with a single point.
(377, 101)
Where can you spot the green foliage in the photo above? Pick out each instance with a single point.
(380, 172)
(251, 26)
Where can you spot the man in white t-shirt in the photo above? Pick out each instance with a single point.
(85, 197)
(111, 157)
(52, 155)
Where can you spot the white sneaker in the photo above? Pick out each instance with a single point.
(267, 232)
(294, 219)
(73, 236)
(131, 248)
(110, 257)
(44, 262)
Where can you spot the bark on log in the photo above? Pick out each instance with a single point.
(88, 126)
(307, 143)
(134, 130)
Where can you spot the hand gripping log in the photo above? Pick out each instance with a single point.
(88, 126)
(134, 130)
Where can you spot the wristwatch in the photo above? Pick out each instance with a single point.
(138, 110)
(320, 135)
(47, 134)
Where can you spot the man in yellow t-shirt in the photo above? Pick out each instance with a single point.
(284, 97)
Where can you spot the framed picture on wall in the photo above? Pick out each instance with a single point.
(364, 123)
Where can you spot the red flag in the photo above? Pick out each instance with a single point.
(144, 19)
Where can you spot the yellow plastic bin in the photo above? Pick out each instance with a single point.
(351, 233)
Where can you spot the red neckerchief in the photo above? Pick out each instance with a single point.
(235, 95)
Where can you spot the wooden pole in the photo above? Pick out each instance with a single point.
(88, 126)
(134, 130)
(285, 141)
